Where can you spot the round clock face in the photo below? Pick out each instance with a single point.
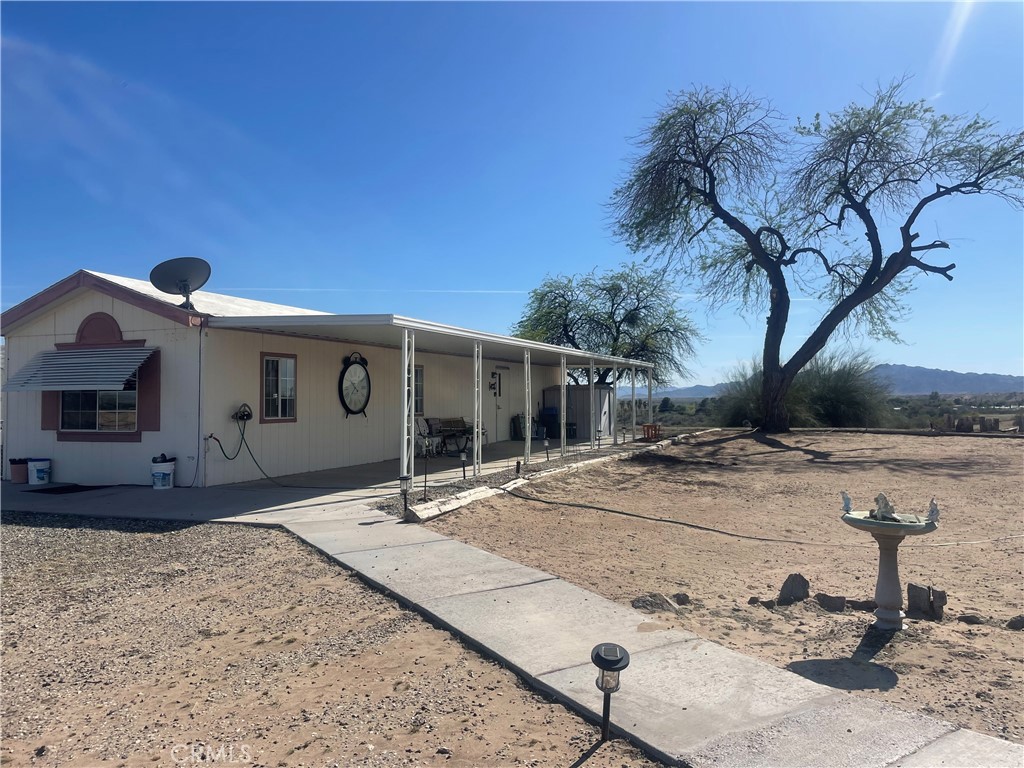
(354, 387)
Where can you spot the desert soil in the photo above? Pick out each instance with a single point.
(787, 488)
(129, 643)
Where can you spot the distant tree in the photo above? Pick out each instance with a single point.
(666, 405)
(628, 313)
(751, 212)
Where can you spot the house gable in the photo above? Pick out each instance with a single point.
(44, 300)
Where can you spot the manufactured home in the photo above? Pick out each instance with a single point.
(105, 373)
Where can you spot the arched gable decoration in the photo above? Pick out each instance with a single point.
(99, 328)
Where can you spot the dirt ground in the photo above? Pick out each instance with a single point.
(788, 488)
(131, 643)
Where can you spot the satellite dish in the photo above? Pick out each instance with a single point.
(181, 276)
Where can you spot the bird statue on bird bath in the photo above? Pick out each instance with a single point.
(888, 529)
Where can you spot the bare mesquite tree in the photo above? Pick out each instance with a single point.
(750, 210)
(626, 313)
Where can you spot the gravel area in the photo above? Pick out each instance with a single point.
(130, 643)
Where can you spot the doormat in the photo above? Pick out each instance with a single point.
(61, 489)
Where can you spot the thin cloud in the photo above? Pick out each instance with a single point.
(189, 177)
(374, 290)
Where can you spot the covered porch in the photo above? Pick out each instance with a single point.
(493, 357)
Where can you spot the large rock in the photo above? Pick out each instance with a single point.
(925, 602)
(794, 589)
(919, 601)
(1017, 622)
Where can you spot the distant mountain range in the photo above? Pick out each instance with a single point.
(913, 380)
(902, 380)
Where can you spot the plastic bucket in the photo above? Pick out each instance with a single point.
(38, 471)
(19, 471)
(163, 475)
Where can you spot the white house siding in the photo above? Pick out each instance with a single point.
(322, 437)
(108, 463)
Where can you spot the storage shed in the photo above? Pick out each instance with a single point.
(584, 417)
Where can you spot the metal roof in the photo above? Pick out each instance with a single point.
(207, 303)
(70, 369)
(223, 311)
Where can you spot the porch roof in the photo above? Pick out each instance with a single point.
(386, 331)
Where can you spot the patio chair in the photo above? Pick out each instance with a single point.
(427, 443)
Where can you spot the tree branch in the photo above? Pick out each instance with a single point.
(930, 246)
(702, 229)
(871, 230)
(944, 271)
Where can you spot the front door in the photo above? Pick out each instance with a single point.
(499, 427)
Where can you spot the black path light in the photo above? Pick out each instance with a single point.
(405, 485)
(462, 456)
(547, 451)
(610, 659)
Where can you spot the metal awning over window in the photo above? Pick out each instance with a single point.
(105, 369)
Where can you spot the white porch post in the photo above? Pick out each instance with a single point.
(593, 415)
(528, 412)
(408, 400)
(615, 404)
(650, 395)
(632, 399)
(478, 405)
(561, 409)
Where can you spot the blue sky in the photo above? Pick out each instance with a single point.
(439, 160)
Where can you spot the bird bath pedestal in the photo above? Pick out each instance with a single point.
(889, 533)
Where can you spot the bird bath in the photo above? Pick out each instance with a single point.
(889, 531)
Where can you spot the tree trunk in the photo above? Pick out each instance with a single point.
(773, 402)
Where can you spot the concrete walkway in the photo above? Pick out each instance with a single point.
(684, 699)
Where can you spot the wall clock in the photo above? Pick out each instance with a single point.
(354, 385)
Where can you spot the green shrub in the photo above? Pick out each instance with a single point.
(833, 390)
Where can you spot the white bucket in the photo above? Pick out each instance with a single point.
(163, 476)
(38, 471)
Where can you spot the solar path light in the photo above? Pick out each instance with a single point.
(405, 485)
(462, 456)
(610, 659)
(547, 451)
